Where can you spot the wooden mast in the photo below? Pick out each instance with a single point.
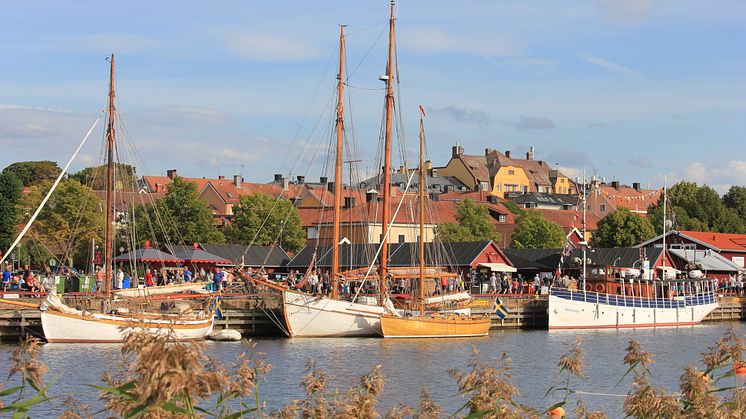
(387, 157)
(338, 165)
(422, 216)
(109, 227)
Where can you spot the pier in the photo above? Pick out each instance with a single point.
(258, 315)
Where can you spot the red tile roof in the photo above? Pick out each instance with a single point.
(437, 212)
(627, 197)
(722, 241)
(570, 218)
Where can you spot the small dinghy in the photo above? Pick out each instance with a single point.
(225, 335)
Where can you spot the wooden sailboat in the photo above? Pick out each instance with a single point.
(65, 324)
(438, 324)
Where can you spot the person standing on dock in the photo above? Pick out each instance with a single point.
(187, 275)
(99, 280)
(148, 278)
(493, 283)
(120, 279)
(218, 279)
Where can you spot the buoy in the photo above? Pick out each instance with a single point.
(225, 335)
(557, 412)
(600, 288)
(740, 368)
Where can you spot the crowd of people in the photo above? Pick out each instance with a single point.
(26, 280)
(507, 284)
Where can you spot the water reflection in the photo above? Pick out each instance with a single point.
(411, 364)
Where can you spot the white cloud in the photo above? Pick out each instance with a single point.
(257, 46)
(718, 176)
(612, 67)
(430, 40)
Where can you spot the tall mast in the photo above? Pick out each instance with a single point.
(387, 156)
(338, 163)
(422, 216)
(663, 275)
(109, 227)
(585, 208)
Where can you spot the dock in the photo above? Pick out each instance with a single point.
(258, 315)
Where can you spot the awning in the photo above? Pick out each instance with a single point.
(498, 267)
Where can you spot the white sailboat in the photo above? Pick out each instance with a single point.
(65, 324)
(658, 303)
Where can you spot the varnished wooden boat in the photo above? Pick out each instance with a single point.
(435, 326)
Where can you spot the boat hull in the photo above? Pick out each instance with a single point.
(320, 316)
(590, 310)
(198, 287)
(434, 327)
(100, 328)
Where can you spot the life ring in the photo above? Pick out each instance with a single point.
(600, 288)
(588, 287)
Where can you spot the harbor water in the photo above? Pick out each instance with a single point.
(411, 364)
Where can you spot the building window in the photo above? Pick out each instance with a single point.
(562, 180)
(511, 172)
(603, 207)
(401, 238)
(530, 205)
(484, 186)
(499, 187)
(525, 189)
(502, 218)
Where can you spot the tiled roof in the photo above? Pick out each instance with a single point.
(229, 193)
(269, 256)
(628, 197)
(477, 165)
(707, 260)
(160, 183)
(570, 218)
(546, 199)
(436, 212)
(538, 171)
(548, 259)
(147, 254)
(194, 255)
(721, 241)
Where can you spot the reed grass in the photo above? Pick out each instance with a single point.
(161, 378)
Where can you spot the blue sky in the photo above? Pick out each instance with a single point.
(637, 90)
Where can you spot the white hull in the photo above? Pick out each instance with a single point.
(319, 316)
(591, 310)
(198, 287)
(97, 327)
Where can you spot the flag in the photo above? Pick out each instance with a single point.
(422, 109)
(218, 309)
(500, 309)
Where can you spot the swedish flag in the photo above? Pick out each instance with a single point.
(500, 309)
(218, 311)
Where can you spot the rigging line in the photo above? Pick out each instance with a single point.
(385, 22)
(365, 88)
(380, 246)
(367, 53)
(51, 190)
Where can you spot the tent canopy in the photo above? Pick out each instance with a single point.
(498, 267)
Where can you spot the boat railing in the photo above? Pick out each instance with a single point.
(633, 301)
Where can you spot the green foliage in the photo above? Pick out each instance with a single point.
(33, 173)
(125, 177)
(622, 228)
(473, 225)
(262, 220)
(735, 199)
(699, 208)
(535, 232)
(178, 217)
(70, 219)
(512, 207)
(10, 193)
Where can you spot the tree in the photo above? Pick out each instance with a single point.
(125, 176)
(735, 199)
(70, 219)
(179, 217)
(535, 232)
(262, 220)
(622, 228)
(10, 195)
(473, 225)
(33, 173)
(697, 208)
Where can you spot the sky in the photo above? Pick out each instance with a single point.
(632, 90)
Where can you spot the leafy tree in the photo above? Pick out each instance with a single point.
(473, 225)
(178, 217)
(535, 232)
(10, 195)
(698, 208)
(735, 199)
(34, 172)
(125, 176)
(262, 220)
(622, 228)
(69, 220)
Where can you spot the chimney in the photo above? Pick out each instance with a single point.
(330, 187)
(285, 184)
(487, 151)
(371, 196)
(323, 180)
(301, 179)
(221, 177)
(530, 153)
(171, 174)
(615, 184)
(507, 154)
(237, 180)
(636, 186)
(278, 177)
(457, 151)
(349, 202)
